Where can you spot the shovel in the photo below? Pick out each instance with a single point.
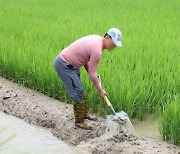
(120, 117)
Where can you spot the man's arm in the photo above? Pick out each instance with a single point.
(92, 67)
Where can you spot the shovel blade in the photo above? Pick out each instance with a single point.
(120, 117)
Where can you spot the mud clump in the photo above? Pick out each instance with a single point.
(121, 137)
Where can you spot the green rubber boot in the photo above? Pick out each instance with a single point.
(79, 116)
(85, 106)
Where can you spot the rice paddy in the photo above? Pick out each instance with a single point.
(140, 78)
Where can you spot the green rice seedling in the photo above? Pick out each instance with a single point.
(139, 78)
(170, 122)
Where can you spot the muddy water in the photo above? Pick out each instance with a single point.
(114, 127)
(30, 138)
(147, 128)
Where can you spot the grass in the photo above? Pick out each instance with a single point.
(139, 78)
(170, 122)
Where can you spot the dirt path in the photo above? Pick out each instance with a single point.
(42, 110)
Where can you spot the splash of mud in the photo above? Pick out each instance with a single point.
(114, 128)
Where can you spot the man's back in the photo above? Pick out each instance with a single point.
(79, 52)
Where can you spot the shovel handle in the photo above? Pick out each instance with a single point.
(109, 104)
(105, 97)
(107, 101)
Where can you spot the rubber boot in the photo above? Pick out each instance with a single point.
(79, 116)
(86, 113)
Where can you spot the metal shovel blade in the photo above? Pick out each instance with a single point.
(120, 117)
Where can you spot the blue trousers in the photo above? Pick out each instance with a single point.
(70, 77)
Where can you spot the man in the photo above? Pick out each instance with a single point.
(87, 52)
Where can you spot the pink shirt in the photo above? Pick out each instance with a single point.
(87, 52)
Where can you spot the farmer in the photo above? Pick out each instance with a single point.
(87, 52)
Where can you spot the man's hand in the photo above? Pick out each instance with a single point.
(103, 93)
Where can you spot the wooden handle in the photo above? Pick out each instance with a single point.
(98, 75)
(109, 104)
(107, 101)
(105, 97)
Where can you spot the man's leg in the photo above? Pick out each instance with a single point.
(71, 80)
(86, 113)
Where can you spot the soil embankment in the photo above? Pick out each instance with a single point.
(36, 108)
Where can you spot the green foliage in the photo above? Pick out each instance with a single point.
(170, 122)
(139, 78)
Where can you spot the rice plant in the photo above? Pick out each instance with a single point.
(170, 122)
(139, 78)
